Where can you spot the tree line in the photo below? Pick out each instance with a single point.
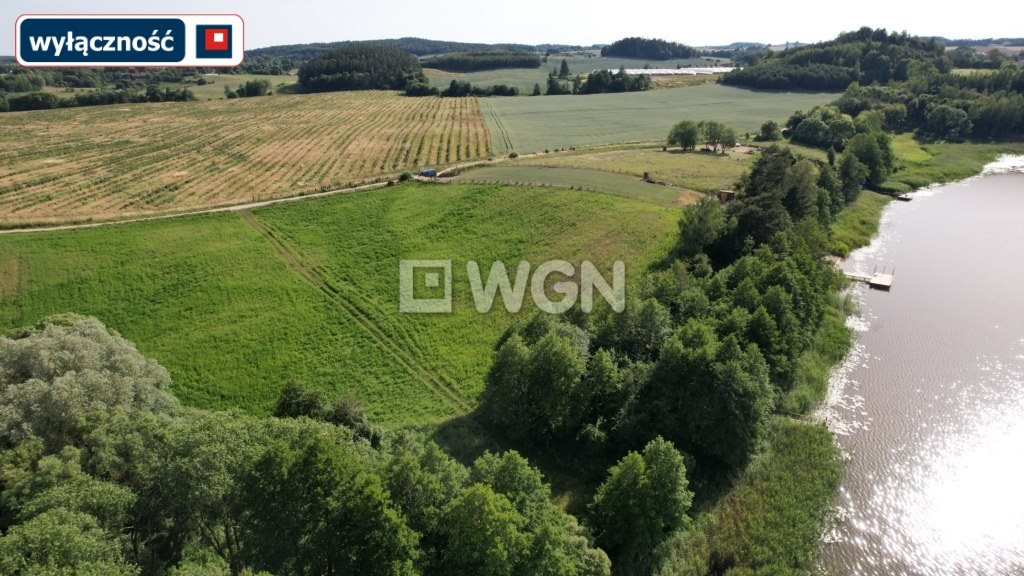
(705, 351)
(490, 60)
(359, 67)
(49, 100)
(649, 49)
(866, 56)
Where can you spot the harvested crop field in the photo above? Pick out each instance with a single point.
(108, 162)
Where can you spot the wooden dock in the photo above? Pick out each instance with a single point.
(877, 280)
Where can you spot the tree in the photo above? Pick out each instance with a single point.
(686, 133)
(311, 507)
(60, 541)
(484, 534)
(717, 134)
(563, 71)
(644, 499)
(297, 400)
(801, 189)
(67, 366)
(853, 174)
(947, 122)
(770, 131)
(875, 153)
(536, 90)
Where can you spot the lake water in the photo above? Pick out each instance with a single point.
(929, 407)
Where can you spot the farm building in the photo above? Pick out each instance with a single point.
(726, 196)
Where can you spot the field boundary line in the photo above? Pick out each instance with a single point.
(437, 383)
(216, 210)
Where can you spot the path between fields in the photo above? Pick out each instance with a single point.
(447, 171)
(436, 382)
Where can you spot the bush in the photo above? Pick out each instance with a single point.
(514, 155)
(405, 176)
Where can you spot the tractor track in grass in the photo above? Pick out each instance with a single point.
(432, 380)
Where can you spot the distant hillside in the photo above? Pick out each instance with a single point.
(279, 59)
(977, 42)
(866, 56)
(649, 49)
(414, 46)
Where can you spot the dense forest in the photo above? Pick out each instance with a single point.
(359, 67)
(490, 60)
(866, 56)
(649, 49)
(895, 82)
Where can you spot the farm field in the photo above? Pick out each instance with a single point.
(602, 181)
(700, 171)
(530, 124)
(525, 78)
(236, 304)
(107, 162)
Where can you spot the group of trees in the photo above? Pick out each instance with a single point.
(49, 100)
(596, 82)
(967, 57)
(687, 134)
(359, 67)
(697, 361)
(489, 60)
(103, 473)
(866, 56)
(458, 88)
(602, 81)
(649, 49)
(258, 87)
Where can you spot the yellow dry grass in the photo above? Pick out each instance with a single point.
(110, 162)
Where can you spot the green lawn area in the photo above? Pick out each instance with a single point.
(700, 171)
(237, 304)
(531, 124)
(580, 178)
(525, 78)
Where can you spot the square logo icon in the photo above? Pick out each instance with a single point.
(425, 286)
(213, 41)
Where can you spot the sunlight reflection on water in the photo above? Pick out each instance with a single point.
(928, 409)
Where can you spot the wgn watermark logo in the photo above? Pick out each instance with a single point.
(425, 286)
(138, 41)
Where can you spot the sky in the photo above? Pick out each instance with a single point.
(559, 21)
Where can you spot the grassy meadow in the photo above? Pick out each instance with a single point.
(214, 88)
(699, 171)
(106, 162)
(532, 124)
(525, 78)
(236, 304)
(925, 163)
(581, 179)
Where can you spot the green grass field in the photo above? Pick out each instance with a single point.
(216, 82)
(580, 178)
(936, 162)
(236, 304)
(525, 78)
(700, 171)
(531, 124)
